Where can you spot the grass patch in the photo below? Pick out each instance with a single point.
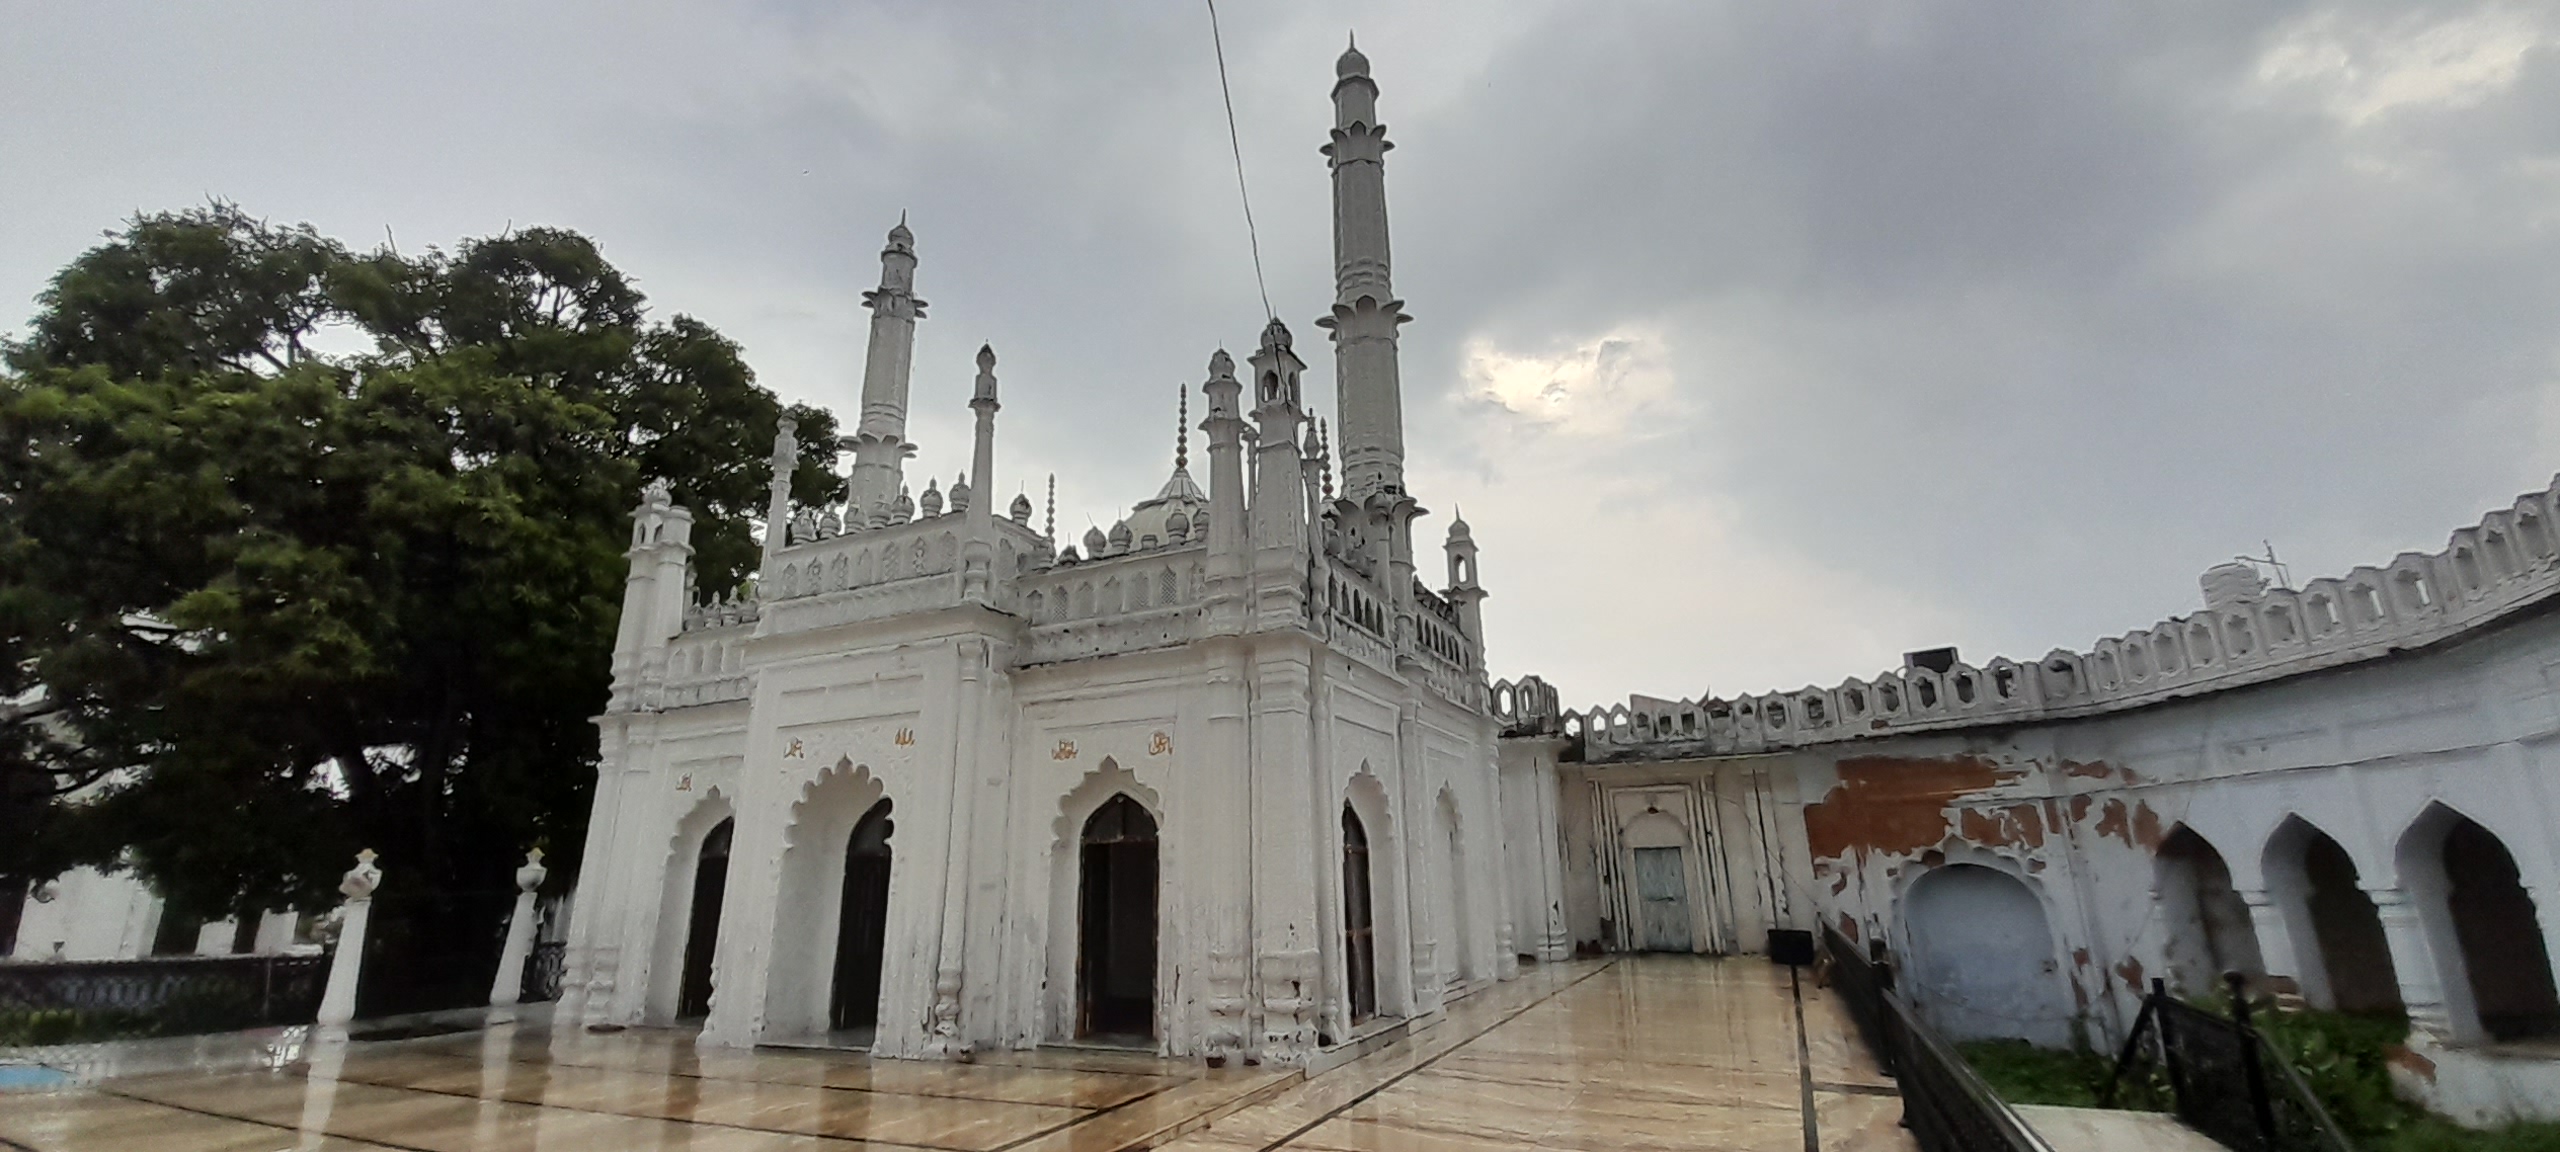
(2022, 1073)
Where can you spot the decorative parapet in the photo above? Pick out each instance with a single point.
(1126, 602)
(2247, 634)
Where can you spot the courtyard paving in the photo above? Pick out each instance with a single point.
(1636, 1053)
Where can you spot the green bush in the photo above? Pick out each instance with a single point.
(2022, 1073)
(70, 1026)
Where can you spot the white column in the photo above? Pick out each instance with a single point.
(2422, 990)
(338, 1002)
(2275, 937)
(509, 986)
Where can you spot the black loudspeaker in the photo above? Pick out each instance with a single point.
(1792, 947)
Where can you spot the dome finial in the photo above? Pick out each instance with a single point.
(1182, 430)
(1352, 62)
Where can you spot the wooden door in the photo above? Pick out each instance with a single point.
(862, 923)
(1359, 925)
(1116, 923)
(702, 936)
(1662, 901)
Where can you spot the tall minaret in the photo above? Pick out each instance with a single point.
(1365, 309)
(879, 442)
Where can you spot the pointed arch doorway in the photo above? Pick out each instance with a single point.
(702, 934)
(862, 926)
(1359, 919)
(1116, 923)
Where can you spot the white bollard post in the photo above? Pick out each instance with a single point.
(338, 1003)
(509, 986)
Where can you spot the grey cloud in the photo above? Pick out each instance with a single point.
(1989, 323)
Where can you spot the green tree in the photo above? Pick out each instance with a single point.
(317, 549)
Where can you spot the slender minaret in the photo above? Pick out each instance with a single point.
(982, 462)
(879, 441)
(777, 513)
(1225, 428)
(1365, 309)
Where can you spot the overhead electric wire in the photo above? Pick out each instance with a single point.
(1252, 237)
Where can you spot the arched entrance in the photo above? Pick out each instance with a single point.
(1359, 919)
(862, 923)
(1982, 958)
(1658, 883)
(2209, 931)
(2482, 926)
(2338, 937)
(702, 936)
(1116, 923)
(1457, 966)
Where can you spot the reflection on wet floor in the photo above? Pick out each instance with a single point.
(1652, 1052)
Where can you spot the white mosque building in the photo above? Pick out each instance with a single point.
(1230, 781)
(1220, 782)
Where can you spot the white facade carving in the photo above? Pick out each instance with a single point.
(1219, 781)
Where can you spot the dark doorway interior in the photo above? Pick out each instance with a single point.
(1359, 926)
(2353, 949)
(702, 936)
(2501, 937)
(1116, 926)
(862, 923)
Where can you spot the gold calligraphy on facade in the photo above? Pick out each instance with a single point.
(1160, 744)
(1066, 750)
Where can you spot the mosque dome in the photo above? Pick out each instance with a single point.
(1352, 63)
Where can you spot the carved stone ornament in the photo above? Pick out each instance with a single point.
(530, 876)
(361, 880)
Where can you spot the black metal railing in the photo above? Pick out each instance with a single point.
(543, 971)
(165, 996)
(2226, 1081)
(1945, 1103)
(1858, 980)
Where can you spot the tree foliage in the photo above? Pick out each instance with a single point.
(316, 549)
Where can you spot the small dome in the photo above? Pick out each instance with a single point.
(1352, 62)
(1021, 510)
(899, 237)
(1093, 542)
(1120, 536)
(932, 502)
(1177, 527)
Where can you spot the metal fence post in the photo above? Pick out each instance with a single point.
(2169, 1054)
(2261, 1108)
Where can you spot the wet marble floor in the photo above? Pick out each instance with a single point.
(1646, 1052)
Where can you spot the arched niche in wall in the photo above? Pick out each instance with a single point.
(1105, 785)
(1659, 853)
(681, 970)
(809, 899)
(1982, 959)
(2482, 928)
(2208, 925)
(2342, 957)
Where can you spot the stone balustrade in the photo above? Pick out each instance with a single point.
(2246, 634)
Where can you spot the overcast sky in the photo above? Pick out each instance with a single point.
(1760, 342)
